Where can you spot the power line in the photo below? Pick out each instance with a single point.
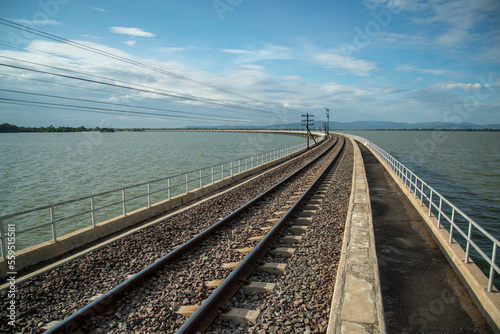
(113, 93)
(122, 105)
(103, 110)
(89, 80)
(126, 60)
(146, 88)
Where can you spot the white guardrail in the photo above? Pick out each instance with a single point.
(119, 198)
(448, 215)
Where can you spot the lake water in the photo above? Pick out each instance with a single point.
(463, 166)
(38, 169)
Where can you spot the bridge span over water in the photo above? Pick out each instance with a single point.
(300, 133)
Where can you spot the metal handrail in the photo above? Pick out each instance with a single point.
(420, 188)
(213, 173)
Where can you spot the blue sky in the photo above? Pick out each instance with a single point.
(271, 61)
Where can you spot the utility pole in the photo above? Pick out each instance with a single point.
(327, 122)
(308, 121)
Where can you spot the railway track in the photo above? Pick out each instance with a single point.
(299, 300)
(173, 278)
(302, 206)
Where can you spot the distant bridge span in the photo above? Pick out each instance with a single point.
(299, 133)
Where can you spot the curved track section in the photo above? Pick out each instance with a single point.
(211, 308)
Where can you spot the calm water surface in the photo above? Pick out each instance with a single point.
(38, 169)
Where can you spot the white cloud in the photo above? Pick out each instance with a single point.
(273, 52)
(131, 31)
(467, 87)
(38, 23)
(292, 77)
(93, 37)
(70, 52)
(101, 10)
(390, 37)
(457, 22)
(433, 71)
(170, 50)
(397, 6)
(130, 43)
(237, 51)
(344, 63)
(248, 68)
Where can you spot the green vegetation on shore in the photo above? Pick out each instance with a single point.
(10, 128)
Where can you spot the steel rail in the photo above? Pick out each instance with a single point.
(210, 309)
(100, 305)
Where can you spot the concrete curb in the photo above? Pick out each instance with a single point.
(357, 298)
(469, 273)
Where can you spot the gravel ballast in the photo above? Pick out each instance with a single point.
(301, 303)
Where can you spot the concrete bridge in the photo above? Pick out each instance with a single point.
(392, 276)
(300, 133)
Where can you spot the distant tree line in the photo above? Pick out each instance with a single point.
(10, 128)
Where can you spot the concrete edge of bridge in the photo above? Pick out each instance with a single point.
(357, 299)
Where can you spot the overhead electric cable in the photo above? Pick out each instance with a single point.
(83, 79)
(126, 60)
(123, 105)
(117, 93)
(90, 109)
(177, 94)
(147, 90)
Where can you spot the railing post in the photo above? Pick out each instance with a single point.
(123, 202)
(168, 188)
(239, 166)
(92, 209)
(422, 193)
(451, 225)
(148, 189)
(222, 171)
(410, 181)
(439, 214)
(187, 183)
(201, 183)
(212, 174)
(53, 225)
(2, 235)
(492, 268)
(231, 173)
(430, 202)
(467, 248)
(415, 187)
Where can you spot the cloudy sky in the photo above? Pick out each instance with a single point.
(187, 63)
